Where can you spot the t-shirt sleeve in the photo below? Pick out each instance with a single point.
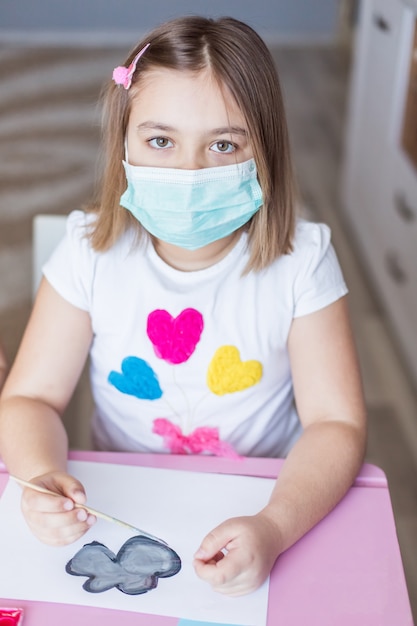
(319, 280)
(70, 268)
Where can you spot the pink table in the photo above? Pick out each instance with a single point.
(347, 571)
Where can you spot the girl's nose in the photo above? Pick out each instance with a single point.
(192, 160)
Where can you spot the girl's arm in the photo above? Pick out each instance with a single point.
(33, 442)
(321, 466)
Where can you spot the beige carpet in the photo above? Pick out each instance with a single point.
(49, 133)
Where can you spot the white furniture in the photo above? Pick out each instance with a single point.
(380, 170)
(47, 231)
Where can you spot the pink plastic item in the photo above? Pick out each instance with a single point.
(10, 616)
(123, 75)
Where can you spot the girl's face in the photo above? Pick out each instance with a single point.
(185, 120)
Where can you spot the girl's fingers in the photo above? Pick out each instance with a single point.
(67, 490)
(74, 518)
(62, 536)
(53, 521)
(35, 501)
(65, 485)
(214, 544)
(60, 528)
(57, 518)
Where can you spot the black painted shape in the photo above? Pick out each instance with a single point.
(136, 568)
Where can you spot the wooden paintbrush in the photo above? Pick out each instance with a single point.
(104, 516)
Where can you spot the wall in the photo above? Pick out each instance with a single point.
(275, 20)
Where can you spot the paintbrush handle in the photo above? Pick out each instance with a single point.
(89, 509)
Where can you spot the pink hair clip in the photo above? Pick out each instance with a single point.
(123, 75)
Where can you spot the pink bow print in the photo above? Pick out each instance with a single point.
(203, 439)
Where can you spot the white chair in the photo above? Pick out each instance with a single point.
(47, 232)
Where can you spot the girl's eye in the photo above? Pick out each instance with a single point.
(223, 146)
(160, 142)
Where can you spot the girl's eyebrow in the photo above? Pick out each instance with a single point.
(150, 125)
(222, 130)
(232, 130)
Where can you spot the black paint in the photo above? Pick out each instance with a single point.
(136, 569)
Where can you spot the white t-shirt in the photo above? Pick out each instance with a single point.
(193, 350)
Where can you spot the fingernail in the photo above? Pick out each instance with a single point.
(82, 515)
(91, 520)
(79, 496)
(68, 505)
(200, 554)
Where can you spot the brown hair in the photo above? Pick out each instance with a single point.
(239, 59)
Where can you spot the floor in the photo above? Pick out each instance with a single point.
(48, 141)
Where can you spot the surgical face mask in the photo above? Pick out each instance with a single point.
(192, 208)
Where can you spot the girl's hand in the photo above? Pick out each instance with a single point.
(237, 556)
(54, 519)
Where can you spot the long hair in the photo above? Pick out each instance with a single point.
(239, 59)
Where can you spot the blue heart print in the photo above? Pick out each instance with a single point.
(137, 379)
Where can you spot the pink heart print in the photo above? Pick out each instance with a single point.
(174, 338)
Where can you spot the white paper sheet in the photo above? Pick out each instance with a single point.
(179, 507)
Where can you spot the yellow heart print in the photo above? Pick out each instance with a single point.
(227, 373)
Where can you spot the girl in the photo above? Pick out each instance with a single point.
(215, 321)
